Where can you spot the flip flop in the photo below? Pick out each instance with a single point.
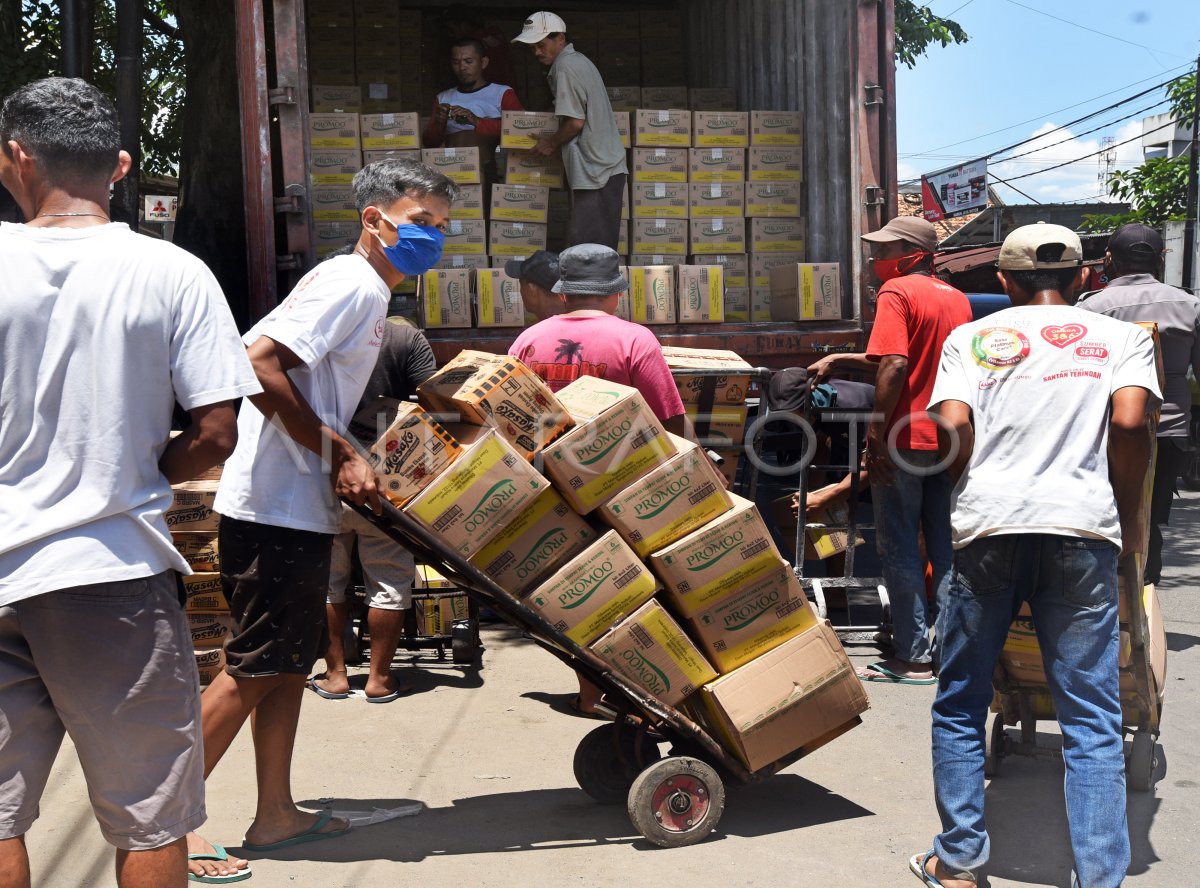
(887, 676)
(406, 688)
(220, 855)
(312, 834)
(321, 692)
(916, 863)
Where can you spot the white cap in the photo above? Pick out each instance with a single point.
(539, 26)
(1020, 249)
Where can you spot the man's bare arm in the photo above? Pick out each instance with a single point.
(568, 129)
(1128, 460)
(956, 436)
(209, 441)
(822, 369)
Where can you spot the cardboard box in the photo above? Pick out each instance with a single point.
(383, 96)
(520, 203)
(700, 290)
(444, 297)
(771, 164)
(624, 128)
(669, 501)
(776, 128)
(520, 130)
(466, 236)
(616, 440)
(329, 12)
(333, 130)
(760, 303)
(334, 166)
(192, 506)
(205, 594)
(482, 491)
(717, 165)
(594, 590)
(499, 296)
(468, 204)
(717, 235)
(208, 630)
(210, 662)
(333, 236)
(333, 69)
(664, 96)
(459, 165)
(736, 266)
(452, 609)
(756, 617)
(405, 446)
(712, 99)
(762, 263)
(516, 238)
(334, 203)
(724, 199)
(527, 168)
(776, 236)
(660, 236)
(773, 199)
(199, 550)
(660, 165)
(392, 153)
(737, 304)
(428, 578)
(652, 294)
(650, 259)
(652, 651)
(806, 292)
(336, 99)
(660, 200)
(460, 261)
(535, 544)
(720, 129)
(797, 697)
(823, 543)
(624, 98)
(498, 391)
(665, 128)
(623, 238)
(721, 427)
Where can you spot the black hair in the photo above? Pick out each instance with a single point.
(1135, 263)
(1037, 279)
(66, 125)
(473, 42)
(382, 183)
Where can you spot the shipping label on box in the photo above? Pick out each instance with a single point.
(660, 200)
(520, 203)
(773, 199)
(666, 128)
(737, 304)
(481, 491)
(616, 440)
(733, 551)
(717, 235)
(669, 501)
(712, 99)
(405, 446)
(736, 628)
(335, 99)
(717, 165)
(724, 199)
(776, 236)
(535, 544)
(205, 594)
(660, 236)
(771, 164)
(500, 303)
(199, 550)
(776, 128)
(469, 203)
(652, 294)
(383, 96)
(806, 292)
(333, 130)
(520, 130)
(624, 128)
(516, 238)
(445, 298)
(822, 542)
(652, 651)
(594, 590)
(334, 166)
(660, 165)
(527, 168)
(664, 96)
(762, 263)
(392, 153)
(624, 98)
(334, 203)
(210, 662)
(701, 293)
(192, 506)
(721, 129)
(466, 236)
(459, 165)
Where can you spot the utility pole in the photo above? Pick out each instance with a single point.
(1189, 227)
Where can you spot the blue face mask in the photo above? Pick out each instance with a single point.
(418, 248)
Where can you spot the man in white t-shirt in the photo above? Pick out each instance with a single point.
(101, 333)
(279, 492)
(1042, 410)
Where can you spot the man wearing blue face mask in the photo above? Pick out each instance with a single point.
(278, 499)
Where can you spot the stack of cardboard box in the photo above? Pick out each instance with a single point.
(714, 384)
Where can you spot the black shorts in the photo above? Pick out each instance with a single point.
(275, 579)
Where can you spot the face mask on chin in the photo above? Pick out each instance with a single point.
(888, 269)
(416, 250)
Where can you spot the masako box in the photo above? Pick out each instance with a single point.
(797, 697)
(208, 629)
(669, 501)
(527, 168)
(716, 560)
(660, 165)
(409, 449)
(665, 128)
(806, 292)
(594, 590)
(199, 550)
(717, 235)
(333, 130)
(650, 650)
(746, 623)
(205, 594)
(192, 507)
(726, 199)
(616, 440)
(520, 203)
(444, 298)
(767, 163)
(384, 131)
(700, 290)
(210, 662)
(660, 236)
(773, 199)
(520, 130)
(507, 238)
(482, 491)
(652, 294)
(499, 297)
(720, 129)
(776, 128)
(466, 236)
(730, 386)
(469, 203)
(540, 540)
(459, 165)
(717, 164)
(776, 236)
(660, 200)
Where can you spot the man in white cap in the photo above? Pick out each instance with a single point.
(1042, 413)
(587, 135)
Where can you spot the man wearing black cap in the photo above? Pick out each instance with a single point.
(537, 276)
(1134, 265)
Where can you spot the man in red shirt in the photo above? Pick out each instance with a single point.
(914, 314)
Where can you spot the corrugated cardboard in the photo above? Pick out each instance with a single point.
(616, 440)
(481, 491)
(760, 303)
(806, 292)
(192, 506)
(392, 153)
(665, 128)
(624, 128)
(516, 238)
(660, 165)
(721, 129)
(652, 294)
(210, 662)
(650, 650)
(459, 261)
(773, 199)
(700, 290)
(199, 550)
(822, 542)
(664, 96)
(717, 165)
(737, 304)
(736, 266)
(594, 590)
(742, 625)
(385, 131)
(520, 203)
(333, 236)
(776, 128)
(712, 99)
(660, 200)
(721, 427)
(728, 387)
(798, 696)
(466, 236)
(762, 263)
(333, 130)
(717, 235)
(527, 168)
(444, 297)
(776, 236)
(624, 98)
(660, 236)
(540, 540)
(205, 594)
(334, 166)
(499, 296)
(460, 165)
(726, 199)
(774, 164)
(405, 446)
(208, 630)
(520, 130)
(469, 203)
(334, 203)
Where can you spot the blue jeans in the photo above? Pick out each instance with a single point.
(1071, 587)
(912, 503)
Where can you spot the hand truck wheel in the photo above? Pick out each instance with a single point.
(677, 801)
(997, 746)
(609, 758)
(1143, 759)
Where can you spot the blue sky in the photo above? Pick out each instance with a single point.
(1023, 73)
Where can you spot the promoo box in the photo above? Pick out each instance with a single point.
(661, 236)
(717, 235)
(460, 165)
(700, 293)
(521, 129)
(768, 163)
(333, 130)
(773, 199)
(717, 164)
(383, 131)
(776, 235)
(520, 203)
(527, 168)
(660, 164)
(466, 236)
(726, 199)
(806, 292)
(507, 238)
(444, 298)
(499, 296)
(652, 294)
(776, 128)
(667, 128)
(660, 200)
(720, 129)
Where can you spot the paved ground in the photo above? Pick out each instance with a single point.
(490, 761)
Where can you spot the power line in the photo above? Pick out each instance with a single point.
(1013, 187)
(960, 9)
(1074, 136)
(1094, 153)
(1094, 31)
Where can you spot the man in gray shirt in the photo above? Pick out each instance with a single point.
(587, 134)
(1134, 264)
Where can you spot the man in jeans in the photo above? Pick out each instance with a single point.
(1042, 413)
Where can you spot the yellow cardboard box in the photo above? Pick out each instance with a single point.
(661, 236)
(717, 165)
(336, 99)
(500, 303)
(507, 238)
(717, 235)
(652, 294)
(727, 387)
(736, 265)
(527, 168)
(469, 203)
(660, 200)
(386, 131)
(444, 297)
(725, 199)
(459, 165)
(335, 130)
(701, 293)
(762, 263)
(737, 304)
(773, 199)
(521, 203)
(776, 235)
(334, 203)
(776, 128)
(662, 128)
(712, 98)
(521, 129)
(806, 292)
(466, 236)
(768, 163)
(334, 166)
(721, 129)
(660, 165)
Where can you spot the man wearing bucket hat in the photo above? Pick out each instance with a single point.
(587, 135)
(1042, 414)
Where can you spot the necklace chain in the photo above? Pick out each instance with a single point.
(47, 215)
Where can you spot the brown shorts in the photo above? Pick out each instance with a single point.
(275, 579)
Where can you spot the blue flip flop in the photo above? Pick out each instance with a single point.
(887, 676)
(312, 834)
(220, 855)
(321, 692)
(916, 863)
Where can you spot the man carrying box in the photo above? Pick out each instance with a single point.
(1043, 422)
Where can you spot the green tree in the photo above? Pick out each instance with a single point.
(917, 28)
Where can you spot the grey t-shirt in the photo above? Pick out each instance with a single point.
(596, 154)
(1140, 297)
